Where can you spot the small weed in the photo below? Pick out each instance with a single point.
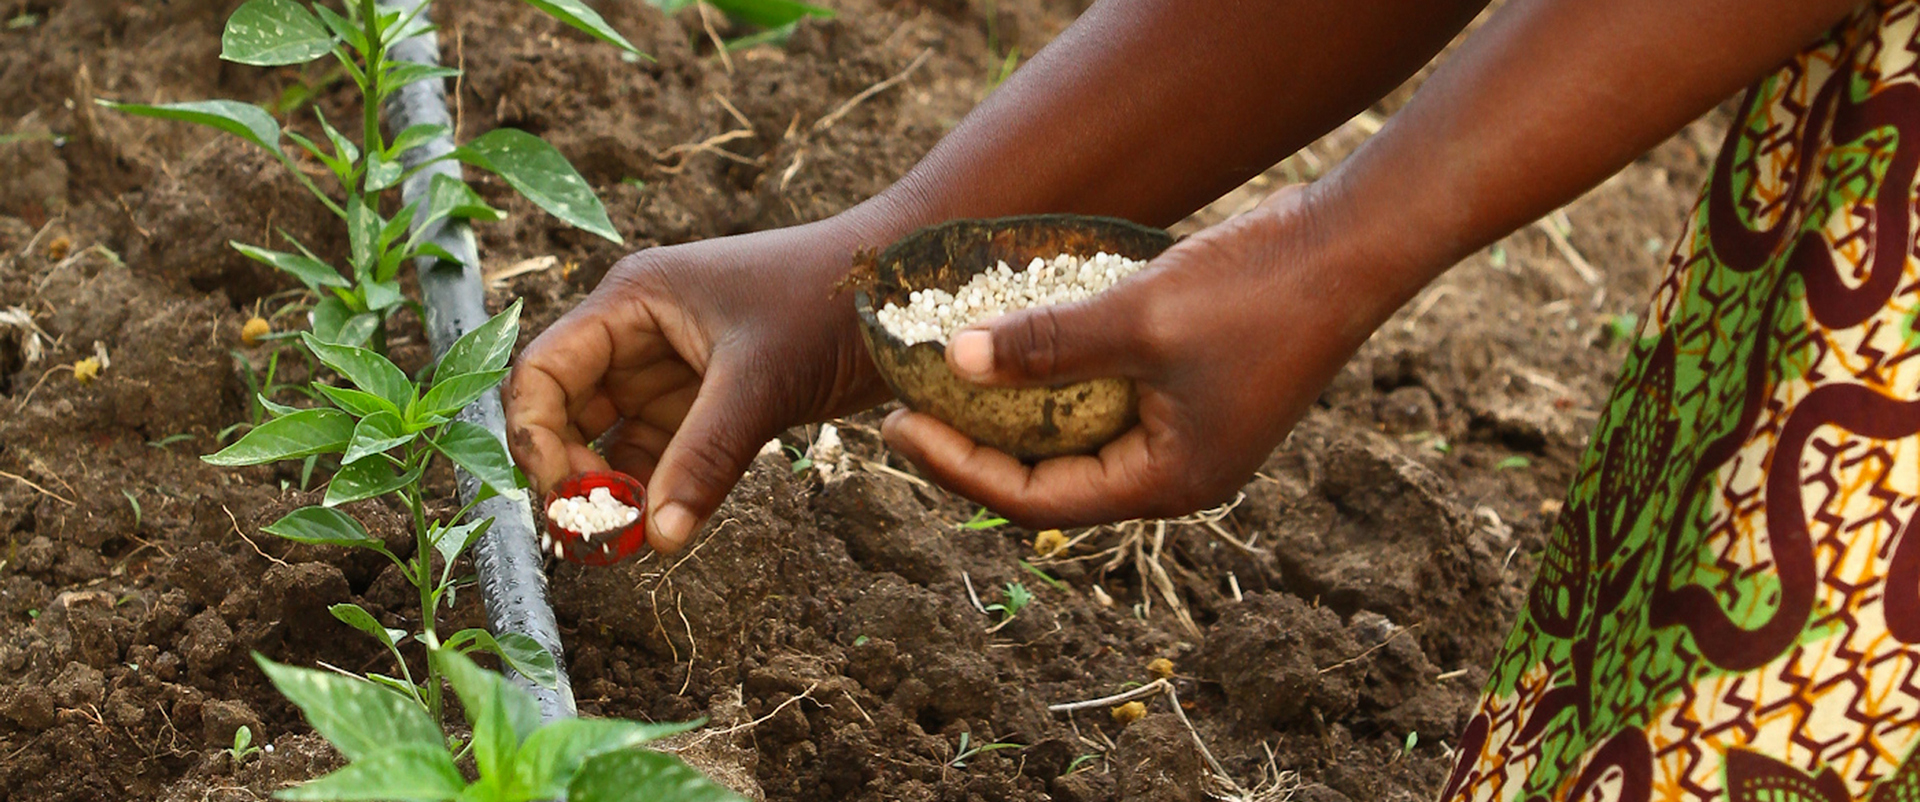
(1013, 598)
(136, 506)
(965, 753)
(801, 461)
(33, 612)
(1622, 327)
(1413, 739)
(983, 519)
(1050, 579)
(1512, 463)
(169, 440)
(861, 641)
(1005, 70)
(242, 745)
(1081, 762)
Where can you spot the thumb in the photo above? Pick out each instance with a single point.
(1101, 337)
(713, 447)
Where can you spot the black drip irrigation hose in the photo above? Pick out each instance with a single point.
(512, 583)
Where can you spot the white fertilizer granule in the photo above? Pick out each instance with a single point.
(934, 315)
(598, 512)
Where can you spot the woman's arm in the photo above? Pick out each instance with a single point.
(1150, 109)
(1233, 332)
(686, 359)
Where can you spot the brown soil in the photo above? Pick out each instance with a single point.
(824, 623)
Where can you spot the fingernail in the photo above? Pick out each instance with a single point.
(673, 524)
(972, 352)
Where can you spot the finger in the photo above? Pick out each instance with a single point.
(1061, 492)
(716, 442)
(634, 447)
(538, 432)
(551, 393)
(1097, 338)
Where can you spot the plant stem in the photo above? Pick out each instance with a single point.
(423, 581)
(376, 57)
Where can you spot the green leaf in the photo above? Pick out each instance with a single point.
(770, 13)
(484, 349)
(391, 31)
(321, 526)
(343, 148)
(435, 251)
(536, 170)
(244, 120)
(578, 15)
(375, 434)
(452, 541)
(552, 755)
(640, 774)
(357, 617)
(454, 393)
(327, 317)
(335, 166)
(522, 654)
(359, 403)
(366, 479)
(309, 431)
(382, 173)
(402, 73)
(406, 689)
(479, 453)
(367, 370)
(359, 718)
(501, 714)
(270, 33)
(363, 233)
(311, 272)
(347, 29)
(383, 294)
(450, 197)
(417, 134)
(274, 407)
(358, 329)
(408, 771)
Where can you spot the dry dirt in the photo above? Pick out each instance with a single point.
(1344, 606)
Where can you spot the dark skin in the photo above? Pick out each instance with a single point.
(690, 357)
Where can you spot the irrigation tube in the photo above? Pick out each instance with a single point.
(512, 583)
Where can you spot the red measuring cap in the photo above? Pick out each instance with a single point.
(596, 548)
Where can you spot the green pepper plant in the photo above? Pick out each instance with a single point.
(386, 429)
(396, 752)
(353, 311)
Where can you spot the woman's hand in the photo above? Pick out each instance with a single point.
(1229, 336)
(685, 360)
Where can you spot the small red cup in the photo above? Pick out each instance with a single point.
(606, 548)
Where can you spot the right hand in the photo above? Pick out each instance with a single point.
(689, 358)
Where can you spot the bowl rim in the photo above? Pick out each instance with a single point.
(863, 298)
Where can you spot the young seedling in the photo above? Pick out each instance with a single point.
(387, 429)
(354, 307)
(1081, 763)
(395, 751)
(983, 519)
(1013, 598)
(242, 745)
(964, 753)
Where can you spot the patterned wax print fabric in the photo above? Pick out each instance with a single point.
(1729, 607)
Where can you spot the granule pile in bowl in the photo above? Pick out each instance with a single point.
(933, 315)
(598, 512)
